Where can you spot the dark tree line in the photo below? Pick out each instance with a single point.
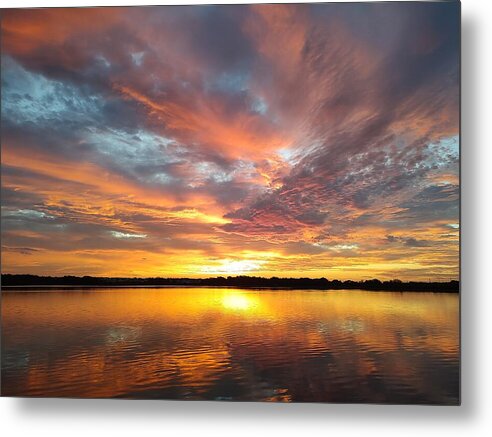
(9, 280)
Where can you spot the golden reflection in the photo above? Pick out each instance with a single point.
(231, 344)
(235, 301)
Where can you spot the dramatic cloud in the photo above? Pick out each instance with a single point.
(287, 140)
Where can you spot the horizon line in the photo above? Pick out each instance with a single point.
(229, 277)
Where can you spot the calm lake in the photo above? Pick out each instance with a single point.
(232, 344)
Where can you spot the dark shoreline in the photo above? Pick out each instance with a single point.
(32, 281)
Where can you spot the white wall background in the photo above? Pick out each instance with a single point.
(87, 418)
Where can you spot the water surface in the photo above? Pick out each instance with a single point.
(231, 344)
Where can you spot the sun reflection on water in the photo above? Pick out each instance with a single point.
(238, 302)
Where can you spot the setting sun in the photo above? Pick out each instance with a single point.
(233, 267)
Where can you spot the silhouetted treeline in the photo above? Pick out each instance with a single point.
(233, 281)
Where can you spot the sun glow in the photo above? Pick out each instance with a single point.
(234, 267)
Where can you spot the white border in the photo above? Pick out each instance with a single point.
(85, 418)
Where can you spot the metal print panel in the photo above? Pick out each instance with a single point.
(245, 203)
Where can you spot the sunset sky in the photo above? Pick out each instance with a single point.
(268, 140)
